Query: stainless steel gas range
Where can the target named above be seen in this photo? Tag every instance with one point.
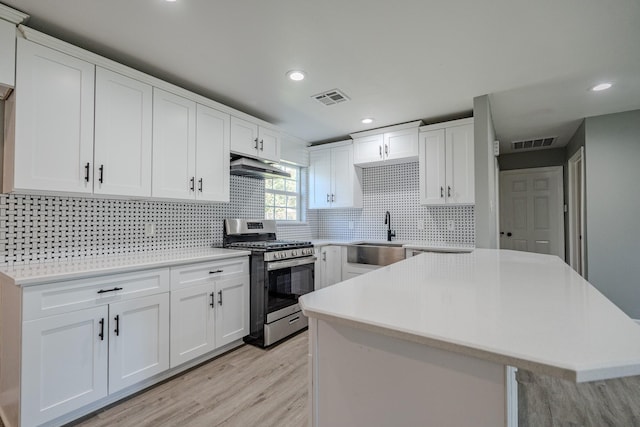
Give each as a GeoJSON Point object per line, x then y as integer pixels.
{"type": "Point", "coordinates": [281, 271]}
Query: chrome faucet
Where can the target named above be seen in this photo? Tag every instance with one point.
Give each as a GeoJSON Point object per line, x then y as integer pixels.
{"type": "Point", "coordinates": [387, 221]}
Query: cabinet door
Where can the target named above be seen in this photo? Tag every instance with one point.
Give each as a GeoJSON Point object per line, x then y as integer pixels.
{"type": "Point", "coordinates": [123, 135]}
{"type": "Point", "coordinates": [64, 363]}
{"type": "Point", "coordinates": [342, 177]}
{"type": "Point", "coordinates": [212, 155]}
{"type": "Point", "coordinates": [368, 149]}
{"type": "Point", "coordinates": [232, 309]}
{"type": "Point", "coordinates": [269, 144]}
{"type": "Point", "coordinates": [320, 179]}
{"type": "Point", "coordinates": [174, 145]}
{"type": "Point", "coordinates": [332, 256]}
{"type": "Point", "coordinates": [7, 55]}
{"type": "Point", "coordinates": [138, 340]}
{"type": "Point", "coordinates": [432, 167]}
{"type": "Point", "coordinates": [319, 268]}
{"type": "Point", "coordinates": [53, 120]}
{"type": "Point", "coordinates": [402, 144]}
{"type": "Point", "coordinates": [244, 137]}
{"type": "Point", "coordinates": [460, 165]}
{"type": "Point", "coordinates": [192, 323]}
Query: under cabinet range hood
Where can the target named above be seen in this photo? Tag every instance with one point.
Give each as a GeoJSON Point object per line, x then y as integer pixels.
{"type": "Point", "coordinates": [256, 169]}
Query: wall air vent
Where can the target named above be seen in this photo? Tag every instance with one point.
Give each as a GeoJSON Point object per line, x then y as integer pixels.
{"type": "Point", "coordinates": [530, 144]}
{"type": "Point", "coordinates": [331, 97]}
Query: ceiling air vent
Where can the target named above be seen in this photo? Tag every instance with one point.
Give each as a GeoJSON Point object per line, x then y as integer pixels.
{"type": "Point", "coordinates": [331, 97]}
{"type": "Point", "coordinates": [533, 143]}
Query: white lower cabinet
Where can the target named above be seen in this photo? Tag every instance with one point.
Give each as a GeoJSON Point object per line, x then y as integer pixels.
{"type": "Point", "coordinates": [138, 340]}
{"type": "Point", "coordinates": [209, 307]}
{"type": "Point", "coordinates": [328, 267]}
{"type": "Point", "coordinates": [65, 362]}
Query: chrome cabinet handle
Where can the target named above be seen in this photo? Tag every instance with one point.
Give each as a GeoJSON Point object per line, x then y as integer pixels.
{"type": "Point", "coordinates": [215, 271]}
{"type": "Point", "coordinates": [324, 256]}
{"type": "Point", "coordinates": [117, 330]}
{"type": "Point", "coordinates": [262, 145]}
{"type": "Point", "coordinates": [213, 302]}
{"type": "Point", "coordinates": [441, 191]}
{"type": "Point", "coordinates": [200, 185]}
{"type": "Point", "coordinates": [104, 291]}
{"type": "Point", "coordinates": [333, 197]}
{"type": "Point", "coordinates": [86, 172]}
{"type": "Point", "coordinates": [256, 141]}
{"type": "Point", "coordinates": [220, 297]}
{"type": "Point", "coordinates": [380, 150]}
{"type": "Point", "coordinates": [101, 334]}
{"type": "Point", "coordinates": [328, 198]}
{"type": "Point", "coordinates": [192, 186]}
{"type": "Point", "coordinates": [101, 179]}
{"type": "Point", "coordinates": [386, 149]}
{"type": "Point", "coordinates": [448, 191]}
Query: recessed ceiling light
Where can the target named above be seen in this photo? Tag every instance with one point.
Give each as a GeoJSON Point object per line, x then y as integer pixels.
{"type": "Point", "coordinates": [601, 86]}
{"type": "Point", "coordinates": [296, 75]}
{"type": "Point", "coordinates": [367, 121]}
{"type": "Point", "coordinates": [171, 1]}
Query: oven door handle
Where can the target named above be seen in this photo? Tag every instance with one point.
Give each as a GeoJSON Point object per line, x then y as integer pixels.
{"type": "Point", "coordinates": [277, 265]}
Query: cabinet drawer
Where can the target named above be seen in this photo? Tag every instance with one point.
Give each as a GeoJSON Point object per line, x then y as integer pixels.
{"type": "Point", "coordinates": [62, 297]}
{"type": "Point", "coordinates": [200, 273]}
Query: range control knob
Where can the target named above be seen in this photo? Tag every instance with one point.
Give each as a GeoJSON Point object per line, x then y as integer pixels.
{"type": "Point", "coordinates": [294, 253]}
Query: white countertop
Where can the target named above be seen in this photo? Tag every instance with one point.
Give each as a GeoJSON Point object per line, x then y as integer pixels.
{"type": "Point", "coordinates": [76, 268]}
{"type": "Point", "coordinates": [516, 308]}
{"type": "Point", "coordinates": [407, 244]}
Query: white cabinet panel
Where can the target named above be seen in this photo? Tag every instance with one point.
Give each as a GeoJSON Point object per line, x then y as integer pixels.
{"type": "Point", "coordinates": [447, 165]}
{"type": "Point", "coordinates": [7, 55]}
{"type": "Point", "coordinates": [138, 340]}
{"type": "Point", "coordinates": [402, 144]}
{"type": "Point", "coordinates": [244, 137]}
{"type": "Point", "coordinates": [64, 363]}
{"type": "Point", "coordinates": [122, 151]}
{"type": "Point", "coordinates": [368, 149]}
{"type": "Point", "coordinates": [174, 145]}
{"type": "Point", "coordinates": [212, 155]}
{"type": "Point", "coordinates": [232, 309]}
{"type": "Point", "coordinates": [53, 145]}
{"type": "Point", "coordinates": [334, 182]}
{"type": "Point", "coordinates": [268, 144]}
{"type": "Point", "coordinates": [192, 323]}
{"type": "Point", "coordinates": [395, 144]}
{"type": "Point", "coordinates": [328, 267]}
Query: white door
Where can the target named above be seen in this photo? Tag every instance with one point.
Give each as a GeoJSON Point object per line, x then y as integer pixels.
{"type": "Point", "coordinates": [342, 177]}
{"type": "Point", "coordinates": [432, 167]}
{"type": "Point", "coordinates": [138, 340]}
{"type": "Point", "coordinates": [269, 144]}
{"type": "Point", "coordinates": [54, 120]}
{"type": "Point", "coordinates": [174, 145]}
{"type": "Point", "coordinates": [122, 149]}
{"type": "Point", "coordinates": [368, 149]}
{"type": "Point", "coordinates": [332, 256]}
{"type": "Point", "coordinates": [232, 309]}
{"type": "Point", "coordinates": [459, 167]}
{"type": "Point", "coordinates": [531, 210]}
{"type": "Point", "coordinates": [212, 155]}
{"type": "Point", "coordinates": [244, 137]}
{"type": "Point", "coordinates": [192, 322]}
{"type": "Point", "coordinates": [320, 179]}
{"type": "Point", "coordinates": [64, 363]}
{"type": "Point", "coordinates": [401, 144]}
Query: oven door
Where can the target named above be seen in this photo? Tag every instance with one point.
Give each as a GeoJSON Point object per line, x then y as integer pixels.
{"type": "Point", "coordinates": [286, 281]}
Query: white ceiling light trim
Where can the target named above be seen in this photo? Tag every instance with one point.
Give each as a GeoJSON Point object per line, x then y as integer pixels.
{"type": "Point", "coordinates": [296, 75]}
{"type": "Point", "coordinates": [601, 86]}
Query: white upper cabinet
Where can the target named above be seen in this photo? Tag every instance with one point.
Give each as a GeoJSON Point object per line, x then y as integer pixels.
{"type": "Point", "coordinates": [174, 146]}
{"type": "Point", "coordinates": [212, 155]}
{"type": "Point", "coordinates": [50, 126]}
{"type": "Point", "coordinates": [255, 141]}
{"type": "Point", "coordinates": [7, 57]}
{"type": "Point", "coordinates": [391, 145]}
{"type": "Point", "coordinates": [334, 182]}
{"type": "Point", "coordinates": [123, 121]}
{"type": "Point", "coordinates": [447, 163]}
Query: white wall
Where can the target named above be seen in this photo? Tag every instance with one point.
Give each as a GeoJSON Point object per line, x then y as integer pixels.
{"type": "Point", "coordinates": [486, 208]}
{"type": "Point", "coordinates": [612, 159]}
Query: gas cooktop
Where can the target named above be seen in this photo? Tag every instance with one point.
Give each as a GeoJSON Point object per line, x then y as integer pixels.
{"type": "Point", "coordinates": [270, 245]}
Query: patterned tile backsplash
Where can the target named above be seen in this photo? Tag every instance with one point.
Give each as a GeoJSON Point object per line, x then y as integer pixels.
{"type": "Point", "coordinates": [395, 188]}
{"type": "Point", "coordinates": [46, 228]}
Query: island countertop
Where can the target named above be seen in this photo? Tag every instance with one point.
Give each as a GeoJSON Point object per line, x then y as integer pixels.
{"type": "Point", "coordinates": [520, 309]}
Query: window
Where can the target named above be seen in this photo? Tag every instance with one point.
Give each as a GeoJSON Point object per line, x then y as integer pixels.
{"type": "Point", "coordinates": [282, 196]}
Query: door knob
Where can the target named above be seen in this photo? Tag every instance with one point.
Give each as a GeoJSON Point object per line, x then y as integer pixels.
{"type": "Point", "coordinates": [509, 234]}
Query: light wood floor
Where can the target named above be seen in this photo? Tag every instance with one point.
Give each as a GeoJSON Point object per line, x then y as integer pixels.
{"type": "Point", "coordinates": [253, 387]}
{"type": "Point", "coordinates": [247, 387]}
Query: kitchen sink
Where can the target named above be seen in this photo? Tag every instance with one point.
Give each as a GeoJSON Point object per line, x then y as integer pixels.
{"type": "Point", "coordinates": [375, 253]}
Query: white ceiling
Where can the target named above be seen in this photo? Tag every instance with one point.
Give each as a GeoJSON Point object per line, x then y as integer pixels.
{"type": "Point", "coordinates": [397, 60]}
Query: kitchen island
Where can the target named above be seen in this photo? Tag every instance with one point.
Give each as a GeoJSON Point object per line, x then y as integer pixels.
{"type": "Point", "coordinates": [426, 341]}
